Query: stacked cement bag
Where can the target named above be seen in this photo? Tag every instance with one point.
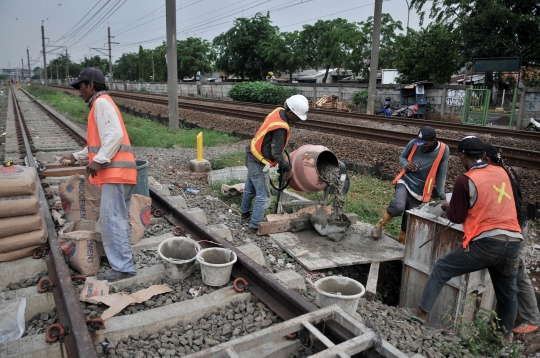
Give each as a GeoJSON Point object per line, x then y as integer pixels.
{"type": "Point", "coordinates": [80, 242]}
{"type": "Point", "coordinates": [22, 223]}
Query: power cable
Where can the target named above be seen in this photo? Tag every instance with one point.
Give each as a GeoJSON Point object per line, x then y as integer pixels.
{"type": "Point", "coordinates": [69, 31]}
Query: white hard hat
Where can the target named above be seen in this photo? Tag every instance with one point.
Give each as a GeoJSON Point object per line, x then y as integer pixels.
{"type": "Point", "coordinates": [299, 105]}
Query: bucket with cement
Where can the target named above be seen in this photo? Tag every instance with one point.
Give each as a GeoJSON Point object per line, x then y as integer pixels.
{"type": "Point", "coordinates": [216, 265]}
{"type": "Point", "coordinates": [178, 256]}
{"type": "Point", "coordinates": [341, 291]}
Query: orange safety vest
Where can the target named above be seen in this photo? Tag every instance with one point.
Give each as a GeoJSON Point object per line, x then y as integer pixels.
{"type": "Point", "coordinates": [122, 168]}
{"type": "Point", "coordinates": [495, 207]}
{"type": "Point", "coordinates": [272, 122]}
{"type": "Point", "coordinates": [430, 180]}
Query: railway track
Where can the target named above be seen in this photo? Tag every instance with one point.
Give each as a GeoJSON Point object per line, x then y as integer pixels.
{"type": "Point", "coordinates": [514, 156]}
{"type": "Point", "coordinates": [71, 330]}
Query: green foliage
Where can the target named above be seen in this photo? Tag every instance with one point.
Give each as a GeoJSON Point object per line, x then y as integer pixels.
{"type": "Point", "coordinates": [142, 132]}
{"type": "Point", "coordinates": [127, 67]}
{"type": "Point", "coordinates": [481, 336]}
{"type": "Point", "coordinates": [360, 98]}
{"type": "Point", "coordinates": [420, 53]}
{"type": "Point", "coordinates": [283, 51]}
{"type": "Point", "coordinates": [194, 54]}
{"type": "Point", "coordinates": [261, 92]}
{"type": "Point", "coordinates": [233, 159]}
{"type": "Point", "coordinates": [240, 50]}
{"type": "Point", "coordinates": [531, 76]}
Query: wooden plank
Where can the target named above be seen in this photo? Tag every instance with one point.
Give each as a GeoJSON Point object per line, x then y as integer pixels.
{"type": "Point", "coordinates": [371, 286]}
{"type": "Point", "coordinates": [302, 213]}
{"type": "Point", "coordinates": [318, 334]}
{"type": "Point", "coordinates": [293, 225]}
{"type": "Point", "coordinates": [64, 171]}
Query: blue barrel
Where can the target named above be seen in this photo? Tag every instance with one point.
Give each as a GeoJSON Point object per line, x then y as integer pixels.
{"type": "Point", "coordinates": [142, 178]}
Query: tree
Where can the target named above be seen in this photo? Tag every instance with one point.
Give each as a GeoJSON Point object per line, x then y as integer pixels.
{"type": "Point", "coordinates": [97, 62]}
{"type": "Point", "coordinates": [327, 43]}
{"type": "Point", "coordinates": [194, 54]}
{"type": "Point", "coordinates": [284, 53]}
{"type": "Point", "coordinates": [419, 54]}
{"type": "Point", "coordinates": [359, 54]}
{"type": "Point", "coordinates": [127, 67]}
{"type": "Point", "coordinates": [240, 49]}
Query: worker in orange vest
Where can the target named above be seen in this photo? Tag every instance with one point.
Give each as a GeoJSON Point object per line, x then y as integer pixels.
{"type": "Point", "coordinates": [423, 171]}
{"type": "Point", "coordinates": [265, 151]}
{"type": "Point", "coordinates": [483, 201]}
{"type": "Point", "coordinates": [111, 165]}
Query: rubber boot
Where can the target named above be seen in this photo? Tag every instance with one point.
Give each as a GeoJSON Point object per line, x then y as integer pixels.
{"type": "Point", "coordinates": [402, 237]}
{"type": "Point", "coordinates": [378, 230]}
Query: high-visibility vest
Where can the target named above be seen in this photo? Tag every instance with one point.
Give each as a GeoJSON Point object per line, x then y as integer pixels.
{"type": "Point", "coordinates": [272, 122]}
{"type": "Point", "coordinates": [430, 180]}
{"type": "Point", "coordinates": [494, 208]}
{"type": "Point", "coordinates": [122, 168]}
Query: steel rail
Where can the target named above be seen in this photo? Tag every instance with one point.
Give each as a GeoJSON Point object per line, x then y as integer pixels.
{"type": "Point", "coordinates": [77, 341]}
{"type": "Point", "coordinates": [284, 301]}
{"type": "Point", "coordinates": [519, 134]}
{"type": "Point", "coordinates": [513, 156]}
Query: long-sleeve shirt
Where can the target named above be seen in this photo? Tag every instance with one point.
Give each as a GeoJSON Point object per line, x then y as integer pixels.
{"type": "Point", "coordinates": [415, 181]}
{"type": "Point", "coordinates": [110, 133]}
{"type": "Point", "coordinates": [464, 196]}
{"type": "Point", "coordinates": [273, 143]}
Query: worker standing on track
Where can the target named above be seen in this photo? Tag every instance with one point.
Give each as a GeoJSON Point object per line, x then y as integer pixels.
{"type": "Point", "coordinates": [526, 298]}
{"type": "Point", "coordinates": [423, 171]}
{"type": "Point", "coordinates": [265, 151]}
{"type": "Point", "coordinates": [111, 165]}
{"type": "Point", "coordinates": [483, 201]}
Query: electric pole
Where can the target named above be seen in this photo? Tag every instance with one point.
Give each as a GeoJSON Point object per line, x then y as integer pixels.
{"type": "Point", "coordinates": [50, 68]}
{"type": "Point", "coordinates": [67, 67]}
{"type": "Point", "coordinates": [172, 72]}
{"type": "Point", "coordinates": [110, 58]}
{"type": "Point", "coordinates": [374, 64]}
{"type": "Point", "coordinates": [28, 57]}
{"type": "Point", "coordinates": [22, 69]}
{"type": "Point", "coordinates": [44, 58]}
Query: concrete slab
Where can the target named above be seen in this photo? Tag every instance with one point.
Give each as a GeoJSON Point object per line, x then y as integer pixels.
{"type": "Point", "coordinates": [254, 252]}
{"type": "Point", "coordinates": [358, 247]}
{"type": "Point", "coordinates": [198, 214]}
{"type": "Point", "coordinates": [151, 242]}
{"type": "Point", "coordinates": [32, 347]}
{"type": "Point", "coordinates": [278, 348]}
{"type": "Point", "coordinates": [222, 230]}
{"type": "Point", "coordinates": [178, 201]}
{"type": "Point", "coordinates": [200, 167]}
{"type": "Point", "coordinates": [292, 279]}
{"type": "Point", "coordinates": [14, 271]}
{"type": "Point", "coordinates": [227, 174]}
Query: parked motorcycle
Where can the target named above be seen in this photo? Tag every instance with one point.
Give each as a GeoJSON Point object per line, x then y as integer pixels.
{"type": "Point", "coordinates": [387, 110]}
{"type": "Point", "coordinates": [534, 126]}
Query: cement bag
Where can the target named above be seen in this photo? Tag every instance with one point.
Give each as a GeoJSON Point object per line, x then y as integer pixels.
{"type": "Point", "coordinates": [80, 199]}
{"type": "Point", "coordinates": [79, 242]}
{"type": "Point", "coordinates": [11, 206]}
{"type": "Point", "coordinates": [139, 216]}
{"type": "Point", "coordinates": [18, 254]}
{"type": "Point", "coordinates": [21, 224]}
{"type": "Point", "coordinates": [16, 180]}
{"type": "Point", "coordinates": [22, 241]}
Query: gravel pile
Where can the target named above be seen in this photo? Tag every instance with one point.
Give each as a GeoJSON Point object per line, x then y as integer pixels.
{"type": "Point", "coordinates": [230, 322]}
{"type": "Point", "coordinates": [25, 282]}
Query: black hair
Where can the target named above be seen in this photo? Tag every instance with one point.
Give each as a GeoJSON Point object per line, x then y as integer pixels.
{"type": "Point", "coordinates": [97, 86]}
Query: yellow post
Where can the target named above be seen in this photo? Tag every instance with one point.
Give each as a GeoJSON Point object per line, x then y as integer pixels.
{"type": "Point", "coordinates": [199, 147]}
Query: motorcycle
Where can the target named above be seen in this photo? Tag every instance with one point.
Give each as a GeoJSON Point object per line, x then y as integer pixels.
{"type": "Point", "coordinates": [534, 126]}
{"type": "Point", "coordinates": [387, 111]}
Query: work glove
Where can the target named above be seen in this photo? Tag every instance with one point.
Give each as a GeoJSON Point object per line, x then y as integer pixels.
{"type": "Point", "coordinates": [67, 160]}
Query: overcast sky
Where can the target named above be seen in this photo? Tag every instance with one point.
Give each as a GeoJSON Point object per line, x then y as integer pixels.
{"type": "Point", "coordinates": [75, 24]}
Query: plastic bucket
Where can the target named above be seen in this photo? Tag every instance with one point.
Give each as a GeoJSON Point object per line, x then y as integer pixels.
{"type": "Point", "coordinates": [142, 178]}
{"type": "Point", "coordinates": [216, 265]}
{"type": "Point", "coordinates": [341, 291]}
{"type": "Point", "coordinates": [178, 257]}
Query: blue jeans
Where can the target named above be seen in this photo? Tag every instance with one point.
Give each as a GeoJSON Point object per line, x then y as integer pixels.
{"type": "Point", "coordinates": [527, 306]}
{"type": "Point", "coordinates": [501, 258]}
{"type": "Point", "coordinates": [402, 201]}
{"type": "Point", "coordinates": [256, 187]}
{"type": "Point", "coordinates": [115, 229]}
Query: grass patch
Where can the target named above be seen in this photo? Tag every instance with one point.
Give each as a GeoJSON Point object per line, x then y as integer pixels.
{"type": "Point", "coordinates": [142, 132]}
{"type": "Point", "coordinates": [233, 159]}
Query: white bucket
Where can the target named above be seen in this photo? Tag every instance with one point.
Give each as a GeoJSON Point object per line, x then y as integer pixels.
{"type": "Point", "coordinates": [341, 291]}
{"type": "Point", "coordinates": [216, 265]}
{"type": "Point", "coordinates": [178, 257]}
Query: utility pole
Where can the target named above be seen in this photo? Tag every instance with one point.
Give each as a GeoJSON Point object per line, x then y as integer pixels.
{"type": "Point", "coordinates": [50, 68]}
{"type": "Point", "coordinates": [67, 67]}
{"type": "Point", "coordinates": [172, 72]}
{"type": "Point", "coordinates": [28, 58]}
{"type": "Point", "coordinates": [44, 58]}
{"type": "Point", "coordinates": [374, 64]}
{"type": "Point", "coordinates": [22, 69]}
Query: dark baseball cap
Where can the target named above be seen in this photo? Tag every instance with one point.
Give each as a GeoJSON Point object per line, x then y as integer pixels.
{"type": "Point", "coordinates": [91, 74]}
{"type": "Point", "coordinates": [471, 145]}
{"type": "Point", "coordinates": [425, 134]}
